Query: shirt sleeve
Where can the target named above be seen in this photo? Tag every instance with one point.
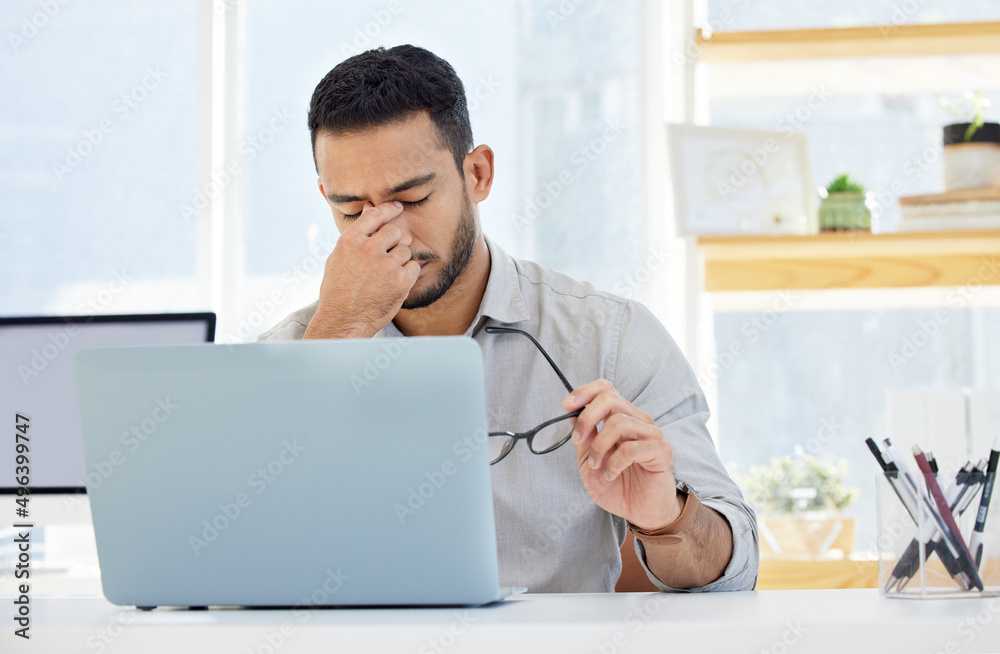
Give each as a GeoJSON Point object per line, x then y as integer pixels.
{"type": "Point", "coordinates": [293, 327]}
{"type": "Point", "coordinates": [652, 373]}
{"type": "Point", "coordinates": [286, 330]}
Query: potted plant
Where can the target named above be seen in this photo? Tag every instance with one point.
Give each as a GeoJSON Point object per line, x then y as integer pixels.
{"type": "Point", "coordinates": [844, 206]}
{"type": "Point", "coordinates": [971, 146]}
{"type": "Point", "coordinates": [799, 500]}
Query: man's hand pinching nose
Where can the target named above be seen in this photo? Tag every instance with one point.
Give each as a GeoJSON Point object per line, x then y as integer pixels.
{"type": "Point", "coordinates": [367, 277]}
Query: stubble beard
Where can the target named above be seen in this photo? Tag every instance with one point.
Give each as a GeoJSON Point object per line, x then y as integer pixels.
{"type": "Point", "coordinates": [462, 247]}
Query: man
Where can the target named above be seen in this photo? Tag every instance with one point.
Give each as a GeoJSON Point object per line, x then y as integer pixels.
{"type": "Point", "coordinates": [393, 148]}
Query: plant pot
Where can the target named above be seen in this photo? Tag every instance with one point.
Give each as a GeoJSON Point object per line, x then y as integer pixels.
{"type": "Point", "coordinates": [974, 163]}
{"type": "Point", "coordinates": [842, 211]}
{"type": "Point", "coordinates": [955, 134]}
{"type": "Point", "coordinates": [789, 535]}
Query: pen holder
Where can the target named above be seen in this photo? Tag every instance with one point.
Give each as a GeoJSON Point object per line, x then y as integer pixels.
{"type": "Point", "coordinates": [914, 559]}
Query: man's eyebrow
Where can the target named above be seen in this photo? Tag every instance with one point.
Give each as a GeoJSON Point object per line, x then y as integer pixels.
{"type": "Point", "coordinates": [412, 183]}
{"type": "Point", "coordinates": [340, 198]}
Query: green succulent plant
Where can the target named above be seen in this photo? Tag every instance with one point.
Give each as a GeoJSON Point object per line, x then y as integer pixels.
{"type": "Point", "coordinates": [844, 184]}
{"type": "Point", "coordinates": [798, 484]}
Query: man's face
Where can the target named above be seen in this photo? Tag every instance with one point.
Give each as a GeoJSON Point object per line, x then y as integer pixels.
{"type": "Point", "coordinates": [404, 161]}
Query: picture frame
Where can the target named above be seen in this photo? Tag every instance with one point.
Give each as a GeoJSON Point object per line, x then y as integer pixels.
{"type": "Point", "coordinates": [733, 181]}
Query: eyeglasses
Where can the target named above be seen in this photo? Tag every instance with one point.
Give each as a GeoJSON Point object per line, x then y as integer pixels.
{"type": "Point", "coordinates": [544, 438]}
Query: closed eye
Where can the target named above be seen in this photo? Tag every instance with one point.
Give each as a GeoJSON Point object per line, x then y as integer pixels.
{"type": "Point", "coordinates": [354, 216]}
{"type": "Point", "coordinates": [417, 203]}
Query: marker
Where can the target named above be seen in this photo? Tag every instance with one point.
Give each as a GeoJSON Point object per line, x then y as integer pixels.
{"type": "Point", "coordinates": [945, 512]}
{"type": "Point", "coordinates": [976, 544]}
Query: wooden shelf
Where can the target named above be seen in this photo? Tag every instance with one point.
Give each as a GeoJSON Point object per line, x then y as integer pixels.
{"type": "Point", "coordinates": [850, 260]}
{"type": "Point", "coordinates": [878, 41]}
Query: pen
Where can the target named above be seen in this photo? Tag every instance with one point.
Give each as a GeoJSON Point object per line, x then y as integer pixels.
{"type": "Point", "coordinates": [908, 563]}
{"type": "Point", "coordinates": [976, 543]}
{"type": "Point", "coordinates": [931, 536]}
{"type": "Point", "coordinates": [928, 532]}
{"type": "Point", "coordinates": [944, 511]}
{"type": "Point", "coordinates": [948, 550]}
{"type": "Point", "coordinates": [965, 487]}
{"type": "Point", "coordinates": [873, 446]}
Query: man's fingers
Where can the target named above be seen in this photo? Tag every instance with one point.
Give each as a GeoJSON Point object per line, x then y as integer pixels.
{"type": "Point", "coordinates": [617, 429]}
{"type": "Point", "coordinates": [594, 413]}
{"type": "Point", "coordinates": [389, 236]}
{"type": "Point", "coordinates": [604, 405]}
{"type": "Point", "coordinates": [401, 254]}
{"type": "Point", "coordinates": [372, 218]}
{"type": "Point", "coordinates": [583, 395]}
{"type": "Point", "coordinates": [413, 268]}
{"type": "Point", "coordinates": [649, 455]}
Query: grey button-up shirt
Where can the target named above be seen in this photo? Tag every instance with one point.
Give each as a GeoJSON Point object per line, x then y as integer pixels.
{"type": "Point", "coordinates": [551, 537]}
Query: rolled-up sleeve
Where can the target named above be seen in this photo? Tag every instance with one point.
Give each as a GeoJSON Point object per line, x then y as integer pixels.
{"type": "Point", "coordinates": [653, 374]}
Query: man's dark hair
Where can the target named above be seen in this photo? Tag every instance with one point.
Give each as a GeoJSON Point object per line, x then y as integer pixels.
{"type": "Point", "coordinates": [382, 86]}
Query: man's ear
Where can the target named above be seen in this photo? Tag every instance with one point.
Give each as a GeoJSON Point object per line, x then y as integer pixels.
{"type": "Point", "coordinates": [479, 173]}
{"type": "Point", "coordinates": [322, 191]}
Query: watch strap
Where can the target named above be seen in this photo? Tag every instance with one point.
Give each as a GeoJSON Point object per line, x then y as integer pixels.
{"type": "Point", "coordinates": [669, 535]}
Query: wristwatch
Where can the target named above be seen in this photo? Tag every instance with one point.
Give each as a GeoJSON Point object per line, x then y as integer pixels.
{"type": "Point", "coordinates": [668, 535]}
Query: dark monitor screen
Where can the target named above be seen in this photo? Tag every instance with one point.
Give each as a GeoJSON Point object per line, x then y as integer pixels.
{"type": "Point", "coordinates": [37, 382]}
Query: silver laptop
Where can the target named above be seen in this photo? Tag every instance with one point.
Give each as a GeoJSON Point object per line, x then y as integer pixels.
{"type": "Point", "coordinates": [309, 473]}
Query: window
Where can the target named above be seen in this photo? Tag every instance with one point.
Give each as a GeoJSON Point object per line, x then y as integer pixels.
{"type": "Point", "coordinates": [98, 147]}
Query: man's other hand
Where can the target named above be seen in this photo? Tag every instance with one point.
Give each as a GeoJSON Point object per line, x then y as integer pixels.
{"type": "Point", "coordinates": [626, 467]}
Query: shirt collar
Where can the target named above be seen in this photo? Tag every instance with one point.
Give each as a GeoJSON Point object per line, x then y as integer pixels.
{"type": "Point", "coordinates": [502, 300]}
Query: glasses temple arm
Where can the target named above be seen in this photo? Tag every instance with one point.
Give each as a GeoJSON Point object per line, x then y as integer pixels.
{"type": "Point", "coordinates": [494, 329]}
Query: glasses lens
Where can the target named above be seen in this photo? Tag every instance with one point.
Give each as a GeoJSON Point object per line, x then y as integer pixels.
{"type": "Point", "coordinates": [500, 444]}
{"type": "Point", "coordinates": [550, 437]}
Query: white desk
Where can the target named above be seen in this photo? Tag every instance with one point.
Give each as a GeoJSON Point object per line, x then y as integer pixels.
{"type": "Point", "coordinates": [769, 621]}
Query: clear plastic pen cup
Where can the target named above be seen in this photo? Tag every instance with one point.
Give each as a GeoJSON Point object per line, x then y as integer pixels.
{"type": "Point", "coordinates": [919, 557]}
